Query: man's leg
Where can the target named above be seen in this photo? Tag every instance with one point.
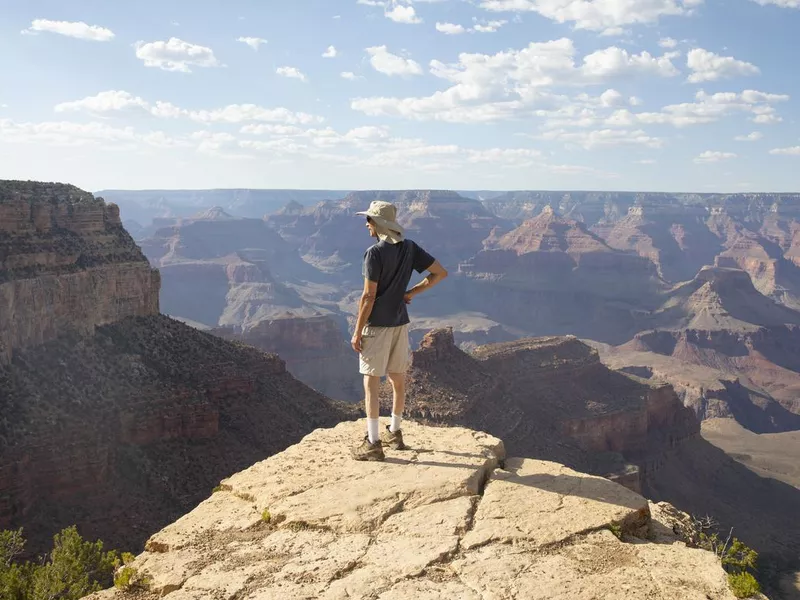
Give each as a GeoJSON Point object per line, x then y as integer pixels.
{"type": "Point", "coordinates": [372, 386]}
{"type": "Point", "coordinates": [398, 381]}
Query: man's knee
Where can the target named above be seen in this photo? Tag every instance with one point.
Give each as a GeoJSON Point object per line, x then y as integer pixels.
{"type": "Point", "coordinates": [397, 378]}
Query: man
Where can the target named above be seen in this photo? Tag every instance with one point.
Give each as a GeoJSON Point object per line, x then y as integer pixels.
{"type": "Point", "coordinates": [381, 333]}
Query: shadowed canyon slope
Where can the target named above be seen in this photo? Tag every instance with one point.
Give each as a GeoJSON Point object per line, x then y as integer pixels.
{"type": "Point", "coordinates": [115, 417]}
{"type": "Point", "coordinates": [432, 523]}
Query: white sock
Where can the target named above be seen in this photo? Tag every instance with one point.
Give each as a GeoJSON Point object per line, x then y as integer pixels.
{"type": "Point", "coordinates": [396, 421]}
{"type": "Point", "coordinates": [373, 430]}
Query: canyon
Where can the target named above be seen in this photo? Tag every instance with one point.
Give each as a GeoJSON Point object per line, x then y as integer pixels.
{"type": "Point", "coordinates": [620, 270]}
{"type": "Point", "coordinates": [174, 406]}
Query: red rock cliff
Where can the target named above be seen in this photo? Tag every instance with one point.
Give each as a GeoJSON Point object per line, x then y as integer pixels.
{"type": "Point", "coordinates": [66, 264]}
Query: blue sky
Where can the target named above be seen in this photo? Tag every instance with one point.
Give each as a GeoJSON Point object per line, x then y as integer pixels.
{"type": "Point", "coordinates": [673, 95]}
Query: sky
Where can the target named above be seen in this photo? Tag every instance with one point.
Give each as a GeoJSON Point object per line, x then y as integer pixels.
{"type": "Point", "coordinates": [649, 95]}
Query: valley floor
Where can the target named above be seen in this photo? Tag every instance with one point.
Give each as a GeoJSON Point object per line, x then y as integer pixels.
{"type": "Point", "coordinates": [775, 455]}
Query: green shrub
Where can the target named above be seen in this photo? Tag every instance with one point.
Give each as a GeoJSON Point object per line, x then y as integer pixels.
{"type": "Point", "coordinates": [616, 529]}
{"type": "Point", "coordinates": [73, 569]}
{"type": "Point", "coordinates": [216, 489]}
{"type": "Point", "coordinates": [265, 516]}
{"type": "Point", "coordinates": [743, 585]}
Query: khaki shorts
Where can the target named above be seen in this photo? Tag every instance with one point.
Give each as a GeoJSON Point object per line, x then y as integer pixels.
{"type": "Point", "coordinates": [384, 350]}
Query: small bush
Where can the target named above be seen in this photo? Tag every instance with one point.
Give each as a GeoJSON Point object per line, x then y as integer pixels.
{"type": "Point", "coordinates": [127, 578]}
{"type": "Point", "coordinates": [73, 569]}
{"type": "Point", "coordinates": [216, 489]}
{"type": "Point", "coordinates": [743, 585]}
{"type": "Point", "coordinates": [616, 529]}
{"type": "Point", "coordinates": [265, 516]}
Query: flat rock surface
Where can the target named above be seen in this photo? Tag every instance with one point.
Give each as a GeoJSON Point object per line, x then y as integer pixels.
{"type": "Point", "coordinates": [450, 518]}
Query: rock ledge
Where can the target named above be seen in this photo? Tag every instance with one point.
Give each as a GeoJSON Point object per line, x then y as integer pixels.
{"type": "Point", "coordinates": [451, 518]}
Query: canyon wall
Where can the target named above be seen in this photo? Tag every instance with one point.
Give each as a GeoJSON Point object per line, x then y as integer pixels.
{"type": "Point", "coordinates": [66, 263]}
{"type": "Point", "coordinates": [314, 349]}
{"type": "Point", "coordinates": [113, 417]}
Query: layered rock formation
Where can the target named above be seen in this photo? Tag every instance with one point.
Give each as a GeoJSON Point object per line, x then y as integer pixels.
{"type": "Point", "coordinates": [672, 236]}
{"type": "Point", "coordinates": [549, 398]}
{"type": "Point", "coordinates": [113, 417]}
{"type": "Point", "coordinates": [551, 275]}
{"type": "Point", "coordinates": [431, 523]}
{"type": "Point", "coordinates": [66, 264]}
{"type": "Point", "coordinates": [314, 349]}
{"type": "Point", "coordinates": [732, 351]}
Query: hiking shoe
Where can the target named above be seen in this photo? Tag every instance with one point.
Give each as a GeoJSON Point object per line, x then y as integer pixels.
{"type": "Point", "coordinates": [393, 440]}
{"type": "Point", "coordinates": [367, 451]}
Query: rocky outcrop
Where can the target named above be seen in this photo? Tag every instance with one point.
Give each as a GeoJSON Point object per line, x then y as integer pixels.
{"type": "Point", "coordinates": [314, 348]}
{"type": "Point", "coordinates": [554, 276]}
{"type": "Point", "coordinates": [429, 523]}
{"type": "Point", "coordinates": [66, 265]}
{"type": "Point", "coordinates": [549, 398]}
{"type": "Point", "coordinates": [748, 375]}
{"type": "Point", "coordinates": [671, 235]}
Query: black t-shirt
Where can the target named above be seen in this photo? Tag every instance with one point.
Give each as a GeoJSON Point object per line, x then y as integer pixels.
{"type": "Point", "coordinates": [391, 266]}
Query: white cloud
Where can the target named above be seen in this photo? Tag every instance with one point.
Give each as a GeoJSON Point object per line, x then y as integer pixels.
{"type": "Point", "coordinates": [270, 129]}
{"type": "Point", "coordinates": [668, 42]}
{"type": "Point", "coordinates": [707, 108]}
{"type": "Point", "coordinates": [646, 161]}
{"type": "Point", "coordinates": [793, 150]}
{"type": "Point", "coordinates": [66, 133]}
{"type": "Point", "coordinates": [508, 84]}
{"type": "Point", "coordinates": [331, 52]}
{"type": "Point", "coordinates": [580, 170]}
{"type": "Point", "coordinates": [489, 27]}
{"type": "Point", "coordinates": [450, 28]}
{"type": "Point", "coordinates": [635, 101]}
{"type": "Point", "coordinates": [710, 156]}
{"type": "Point", "coordinates": [119, 101]}
{"type": "Point", "coordinates": [367, 133]}
{"type": "Point", "coordinates": [387, 63]}
{"type": "Point", "coordinates": [614, 61]}
{"type": "Point", "coordinates": [780, 3]}
{"type": "Point", "coordinates": [291, 72]}
{"type": "Point", "coordinates": [609, 16]}
{"type": "Point", "coordinates": [253, 42]}
{"type": "Point", "coordinates": [750, 137]}
{"type": "Point", "coordinates": [505, 156]}
{"type": "Point", "coordinates": [74, 29]}
{"type": "Point", "coordinates": [112, 100]}
{"type": "Point", "coordinates": [167, 110]}
{"type": "Point", "coordinates": [767, 119]}
{"type": "Point", "coordinates": [403, 14]}
{"type": "Point", "coordinates": [175, 55]}
{"type": "Point", "coordinates": [243, 113]}
{"type": "Point", "coordinates": [708, 66]}
{"type": "Point", "coordinates": [350, 75]}
{"type": "Point", "coordinates": [603, 138]}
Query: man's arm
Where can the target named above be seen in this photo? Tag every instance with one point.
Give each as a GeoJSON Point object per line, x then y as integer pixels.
{"type": "Point", "coordinates": [364, 311]}
{"type": "Point", "coordinates": [436, 273]}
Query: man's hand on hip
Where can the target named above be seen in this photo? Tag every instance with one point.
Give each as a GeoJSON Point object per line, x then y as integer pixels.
{"type": "Point", "coordinates": [407, 297]}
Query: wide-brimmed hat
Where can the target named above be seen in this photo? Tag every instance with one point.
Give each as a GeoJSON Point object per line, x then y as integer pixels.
{"type": "Point", "coordinates": [384, 215]}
